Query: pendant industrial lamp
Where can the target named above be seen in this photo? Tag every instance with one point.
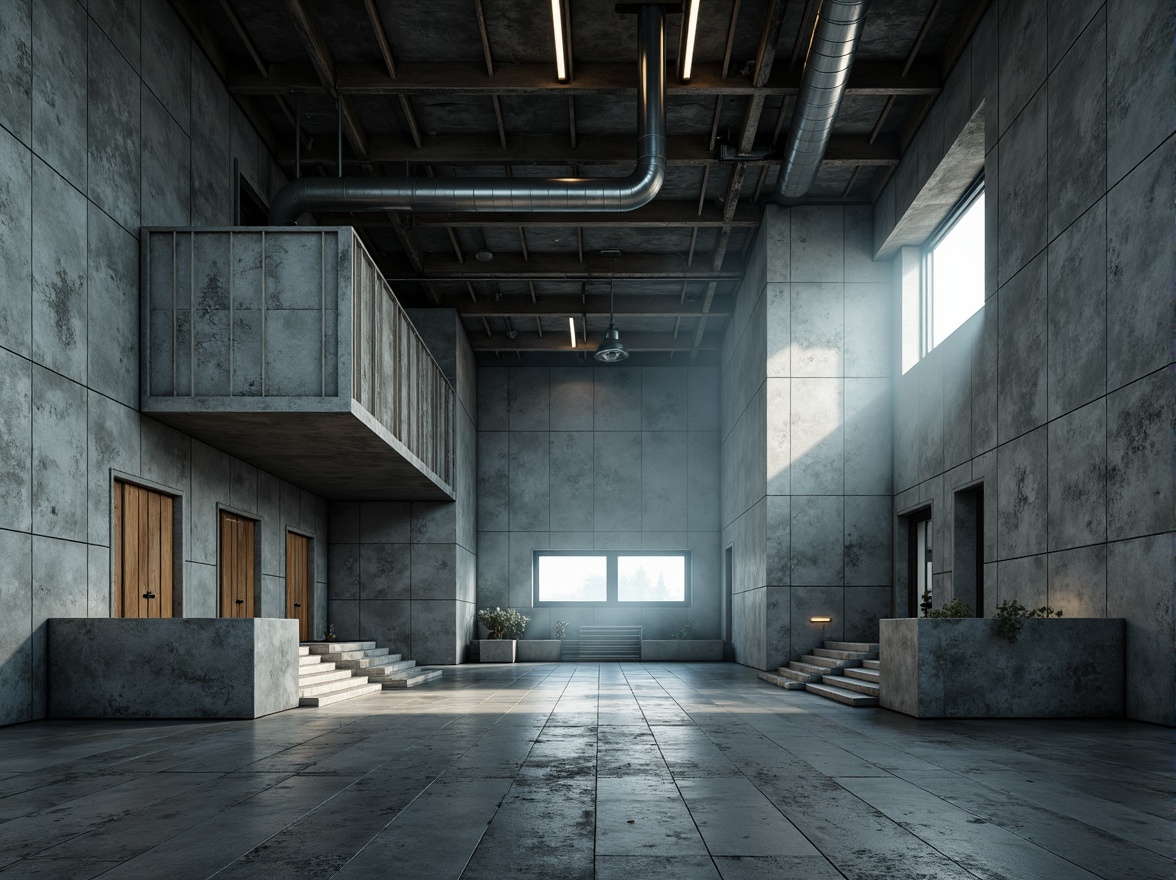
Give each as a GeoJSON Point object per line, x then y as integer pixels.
{"type": "Point", "coordinates": [611, 349]}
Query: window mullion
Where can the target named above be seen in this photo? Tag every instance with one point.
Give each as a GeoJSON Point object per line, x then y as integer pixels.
{"type": "Point", "coordinates": [612, 590]}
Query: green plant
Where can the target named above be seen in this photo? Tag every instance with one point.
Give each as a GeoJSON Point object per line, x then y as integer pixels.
{"type": "Point", "coordinates": [1011, 614]}
{"type": "Point", "coordinates": [561, 628]}
{"type": "Point", "coordinates": [954, 608]}
{"type": "Point", "coordinates": [503, 623]}
{"type": "Point", "coordinates": [684, 633]}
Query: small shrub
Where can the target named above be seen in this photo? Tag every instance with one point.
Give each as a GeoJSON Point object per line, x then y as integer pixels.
{"type": "Point", "coordinates": [954, 608]}
{"type": "Point", "coordinates": [561, 628]}
{"type": "Point", "coordinates": [503, 623]}
{"type": "Point", "coordinates": [1011, 614]}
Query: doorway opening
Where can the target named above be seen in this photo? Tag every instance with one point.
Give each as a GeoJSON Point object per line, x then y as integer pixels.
{"type": "Point", "coordinates": [919, 556]}
{"type": "Point", "coordinates": [968, 548]}
{"type": "Point", "coordinates": [144, 559]}
{"type": "Point", "coordinates": [238, 565]}
{"type": "Point", "coordinates": [298, 580]}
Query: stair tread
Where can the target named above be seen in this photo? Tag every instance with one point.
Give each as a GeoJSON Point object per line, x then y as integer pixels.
{"type": "Point", "coordinates": [829, 662]}
{"type": "Point", "coordinates": [835, 654]}
{"type": "Point", "coordinates": [872, 664]}
{"type": "Point", "coordinates": [809, 668]}
{"type": "Point", "coordinates": [334, 647]}
{"type": "Point", "coordinates": [780, 681]}
{"type": "Point", "coordinates": [869, 647]}
{"type": "Point", "coordinates": [841, 695]}
{"type": "Point", "coordinates": [797, 675]}
{"type": "Point", "coordinates": [411, 678]}
{"type": "Point", "coordinates": [851, 684]}
{"type": "Point", "coordinates": [864, 674]}
{"type": "Point", "coordinates": [339, 696]}
{"type": "Point", "coordinates": [326, 675]}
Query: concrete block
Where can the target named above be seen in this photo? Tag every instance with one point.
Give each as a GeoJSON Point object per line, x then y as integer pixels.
{"type": "Point", "coordinates": [817, 244]}
{"type": "Point", "coordinates": [211, 482]}
{"type": "Point", "coordinates": [212, 181]}
{"type": "Point", "coordinates": [1141, 264]}
{"type": "Point", "coordinates": [243, 486]}
{"type": "Point", "coordinates": [59, 485]}
{"type": "Point", "coordinates": [534, 650]}
{"type": "Point", "coordinates": [384, 522]}
{"type": "Point", "coordinates": [1078, 128]}
{"type": "Point", "coordinates": [16, 242]}
{"type": "Point", "coordinates": [1022, 480]}
{"type": "Point", "coordinates": [617, 399]}
{"type": "Point", "coordinates": [1077, 309]}
{"type": "Point", "coordinates": [528, 399]}
{"type": "Point", "coordinates": [343, 616]}
{"type": "Point", "coordinates": [664, 480]}
{"type": "Point", "coordinates": [616, 484]}
{"type": "Point", "coordinates": [1078, 477]}
{"type": "Point", "coordinates": [702, 395]}
{"type": "Point", "coordinates": [867, 430]}
{"type": "Point", "coordinates": [1022, 339]}
{"type": "Point", "coordinates": [497, 650]}
{"type": "Point", "coordinates": [493, 480]}
{"type": "Point", "coordinates": [59, 274]}
{"type": "Point", "coordinates": [1069, 668]}
{"type": "Point", "coordinates": [113, 443]}
{"type": "Point", "coordinates": [16, 660]}
{"type": "Point", "coordinates": [1022, 34]}
{"type": "Point", "coordinates": [59, 105]}
{"type": "Point", "coordinates": [16, 450]}
{"type": "Point", "coordinates": [165, 162]}
{"type": "Point", "coordinates": [867, 539]}
{"type": "Point", "coordinates": [817, 540]}
{"type": "Point", "coordinates": [816, 433]}
{"type": "Point", "coordinates": [664, 399]}
{"type": "Point", "coordinates": [434, 571]}
{"type": "Point", "coordinates": [860, 265]}
{"type": "Point", "coordinates": [1140, 104]}
{"type": "Point", "coordinates": [530, 480]}
{"type": "Point", "coordinates": [1022, 206]}
{"type": "Point", "coordinates": [179, 668]}
{"type": "Point", "coordinates": [818, 329]}
{"type": "Point", "coordinates": [1078, 581]}
{"type": "Point", "coordinates": [571, 472]}
{"type": "Point", "coordinates": [702, 481]}
{"type": "Point", "coordinates": [435, 636]}
{"type": "Point", "coordinates": [385, 570]}
{"type": "Point", "coordinates": [98, 594]}
{"type": "Point", "coordinates": [113, 138]}
{"type": "Point", "coordinates": [167, 54]}
{"type": "Point", "coordinates": [1141, 437]}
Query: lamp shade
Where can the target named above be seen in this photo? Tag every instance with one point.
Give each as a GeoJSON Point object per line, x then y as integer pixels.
{"type": "Point", "coordinates": [611, 349]}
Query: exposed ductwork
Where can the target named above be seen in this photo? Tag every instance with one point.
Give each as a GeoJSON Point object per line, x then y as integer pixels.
{"type": "Point", "coordinates": [826, 72]}
{"type": "Point", "coordinates": [600, 194]}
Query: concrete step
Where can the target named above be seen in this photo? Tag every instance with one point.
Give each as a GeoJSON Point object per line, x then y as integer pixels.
{"type": "Point", "coordinates": [780, 681]}
{"type": "Point", "coordinates": [336, 647]}
{"type": "Point", "coordinates": [810, 668]}
{"type": "Point", "coordinates": [327, 674]}
{"type": "Point", "coordinates": [359, 659]}
{"type": "Point", "coordinates": [851, 684]}
{"type": "Point", "coordinates": [326, 699]}
{"type": "Point", "coordinates": [829, 662]}
{"type": "Point", "coordinates": [303, 650]}
{"type": "Point", "coordinates": [387, 670]}
{"type": "Point", "coordinates": [410, 678]}
{"type": "Point", "coordinates": [867, 647]}
{"type": "Point", "coordinates": [864, 674]}
{"type": "Point", "coordinates": [799, 674]}
{"type": "Point", "coordinates": [313, 689]}
{"type": "Point", "coordinates": [310, 660]}
{"type": "Point", "coordinates": [849, 698]}
{"type": "Point", "coordinates": [872, 664]}
{"type": "Point", "coordinates": [833, 654]}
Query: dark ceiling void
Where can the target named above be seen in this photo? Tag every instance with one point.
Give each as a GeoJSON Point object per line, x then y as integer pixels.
{"type": "Point", "coordinates": [468, 88]}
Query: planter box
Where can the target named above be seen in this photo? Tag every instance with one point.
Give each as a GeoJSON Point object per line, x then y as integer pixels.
{"type": "Point", "coordinates": [496, 650]}
{"type": "Point", "coordinates": [682, 650]}
{"type": "Point", "coordinates": [1067, 668]}
{"type": "Point", "coordinates": [538, 650]}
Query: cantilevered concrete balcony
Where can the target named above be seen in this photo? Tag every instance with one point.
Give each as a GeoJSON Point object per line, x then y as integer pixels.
{"type": "Point", "coordinates": [285, 347]}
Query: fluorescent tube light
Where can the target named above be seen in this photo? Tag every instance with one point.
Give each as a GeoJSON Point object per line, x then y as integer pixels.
{"type": "Point", "coordinates": [572, 330]}
{"type": "Point", "coordinates": [690, 30]}
{"type": "Point", "coordinates": [561, 64]}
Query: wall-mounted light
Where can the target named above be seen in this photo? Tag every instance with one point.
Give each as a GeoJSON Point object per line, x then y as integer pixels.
{"type": "Point", "coordinates": [560, 22]}
{"type": "Point", "coordinates": [820, 619]}
{"type": "Point", "coordinates": [572, 330]}
{"type": "Point", "coordinates": [686, 42]}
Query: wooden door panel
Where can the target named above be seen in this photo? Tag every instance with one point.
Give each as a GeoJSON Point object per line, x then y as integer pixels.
{"type": "Point", "coordinates": [143, 552]}
{"type": "Point", "coordinates": [237, 566]}
{"type": "Point", "coordinates": [298, 582]}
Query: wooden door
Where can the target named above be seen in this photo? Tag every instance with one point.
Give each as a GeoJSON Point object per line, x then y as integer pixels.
{"type": "Point", "coordinates": [142, 549]}
{"type": "Point", "coordinates": [237, 566]}
{"type": "Point", "coordinates": [298, 582]}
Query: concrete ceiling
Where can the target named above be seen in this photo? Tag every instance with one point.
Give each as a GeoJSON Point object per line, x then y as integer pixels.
{"type": "Point", "coordinates": [468, 87]}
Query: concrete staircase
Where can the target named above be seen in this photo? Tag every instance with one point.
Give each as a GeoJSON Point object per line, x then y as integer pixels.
{"type": "Point", "coordinates": [329, 672]}
{"type": "Point", "coordinates": [847, 672]}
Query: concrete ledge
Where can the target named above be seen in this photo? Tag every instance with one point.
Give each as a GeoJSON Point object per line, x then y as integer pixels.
{"type": "Point", "coordinates": [682, 650]}
{"type": "Point", "coordinates": [177, 668]}
{"type": "Point", "coordinates": [538, 650]}
{"type": "Point", "coordinates": [1068, 668]}
{"type": "Point", "coordinates": [496, 650]}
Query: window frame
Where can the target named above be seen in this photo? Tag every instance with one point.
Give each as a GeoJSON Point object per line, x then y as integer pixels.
{"type": "Point", "coordinates": [926, 287]}
{"type": "Point", "coordinates": [611, 599]}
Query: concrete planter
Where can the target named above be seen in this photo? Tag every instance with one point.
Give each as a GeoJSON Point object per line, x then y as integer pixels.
{"type": "Point", "coordinates": [1067, 668]}
{"type": "Point", "coordinates": [496, 650]}
{"type": "Point", "coordinates": [538, 650]}
{"type": "Point", "coordinates": [682, 650]}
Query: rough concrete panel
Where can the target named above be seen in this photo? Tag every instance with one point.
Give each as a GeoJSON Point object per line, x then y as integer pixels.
{"type": "Point", "coordinates": [384, 522]}
{"type": "Point", "coordinates": [530, 481]}
{"type": "Point", "coordinates": [928, 438]}
{"type": "Point", "coordinates": [112, 309]}
{"type": "Point", "coordinates": [243, 488]}
{"type": "Point", "coordinates": [113, 443]}
{"type": "Point", "coordinates": [817, 436]}
{"type": "Point", "coordinates": [434, 571]}
{"type": "Point", "coordinates": [1078, 128]}
{"type": "Point", "coordinates": [809, 602]}
{"type": "Point", "coordinates": [385, 570]}
{"type": "Point", "coordinates": [59, 89]}
{"type": "Point", "coordinates": [818, 329]}
{"type": "Point", "coordinates": [16, 656]}
{"type": "Point", "coordinates": [1022, 207]}
{"type": "Point", "coordinates": [493, 414]}
{"type": "Point", "coordinates": [860, 265]}
{"type": "Point", "coordinates": [433, 522]}
{"type": "Point", "coordinates": [1021, 495]}
{"type": "Point", "coordinates": [778, 627]}
{"type": "Point", "coordinates": [343, 617]}
{"type": "Point", "coordinates": [985, 385]}
{"type": "Point", "coordinates": [165, 191]}
{"type": "Point", "coordinates": [1078, 477]}
{"type": "Point", "coordinates": [167, 53]}
{"type": "Point", "coordinates": [59, 456]}
{"type": "Point", "coordinates": [273, 596]}
{"type": "Point", "coordinates": [748, 628]}
{"type": "Point", "coordinates": [521, 566]}
{"type": "Point", "coordinates": [867, 539]}
{"type": "Point", "coordinates": [868, 457]}
{"type": "Point", "coordinates": [992, 214]}
{"type": "Point", "coordinates": [779, 539]}
{"type": "Point", "coordinates": [1024, 580]}
{"type": "Point", "coordinates": [435, 638]}
{"type": "Point", "coordinates": [16, 243]}
{"type": "Point", "coordinates": [664, 478]}
{"type": "Point", "coordinates": [616, 482]}
{"type": "Point", "coordinates": [1022, 356]}
{"type": "Point", "coordinates": [493, 570]}
{"type": "Point", "coordinates": [703, 398]}
{"type": "Point", "coordinates": [778, 393]}
{"type": "Point", "coordinates": [775, 251]}
{"type": "Point", "coordinates": [571, 471]}
{"type": "Point", "coordinates": [120, 21]}
{"type": "Point", "coordinates": [617, 399]}
{"type": "Point", "coordinates": [817, 540]}
{"type": "Point", "coordinates": [817, 243]}
{"type": "Point", "coordinates": [113, 139]}
{"type": "Point", "coordinates": [1141, 106]}
{"type": "Point", "coordinates": [98, 594]}
{"type": "Point", "coordinates": [211, 482]}
{"type": "Point", "coordinates": [59, 274]}
{"type": "Point", "coordinates": [493, 480]}
{"type": "Point", "coordinates": [664, 399]}
{"type": "Point", "coordinates": [1141, 580]}
{"type": "Point", "coordinates": [60, 579]}
{"type": "Point", "coordinates": [702, 482]}
{"type": "Point", "coordinates": [1022, 34]}
{"type": "Point", "coordinates": [571, 399]}
{"type": "Point", "coordinates": [1077, 309]}
{"type": "Point", "coordinates": [269, 510]}
{"type": "Point", "coordinates": [1141, 436]}
{"type": "Point", "coordinates": [778, 316]}
{"type": "Point", "coordinates": [867, 329]}
{"type": "Point", "coordinates": [343, 571]}
{"type": "Point", "coordinates": [1141, 264]}
{"type": "Point", "coordinates": [529, 399]}
{"type": "Point", "coordinates": [16, 450]}
{"type": "Point", "coordinates": [1078, 581]}
{"type": "Point", "coordinates": [16, 68]}
{"type": "Point", "coordinates": [344, 522]}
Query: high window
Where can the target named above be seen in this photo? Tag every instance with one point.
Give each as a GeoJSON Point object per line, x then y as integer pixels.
{"type": "Point", "coordinates": [953, 269]}
{"type": "Point", "coordinates": [596, 577]}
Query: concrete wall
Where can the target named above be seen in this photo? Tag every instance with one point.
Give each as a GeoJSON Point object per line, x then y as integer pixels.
{"type": "Point", "coordinates": [1060, 395]}
{"type": "Point", "coordinates": [104, 127]}
{"type": "Point", "coordinates": [805, 422]}
{"type": "Point", "coordinates": [403, 573]}
{"type": "Point", "coordinates": [585, 457]}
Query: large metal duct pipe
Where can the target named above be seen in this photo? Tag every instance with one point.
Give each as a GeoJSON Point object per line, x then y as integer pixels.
{"type": "Point", "coordinates": [601, 194]}
{"type": "Point", "coordinates": [826, 72]}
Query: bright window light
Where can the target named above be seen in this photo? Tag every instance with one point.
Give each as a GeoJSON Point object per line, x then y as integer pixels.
{"type": "Point", "coordinates": [651, 579]}
{"type": "Point", "coordinates": [612, 577]}
{"type": "Point", "coordinates": [572, 578]}
{"type": "Point", "coordinates": [954, 272]}
{"type": "Point", "coordinates": [561, 65]}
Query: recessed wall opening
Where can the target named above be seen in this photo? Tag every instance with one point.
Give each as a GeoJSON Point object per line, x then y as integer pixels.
{"type": "Point", "coordinates": [968, 548]}
{"type": "Point", "coordinates": [919, 558]}
{"type": "Point", "coordinates": [952, 285]}
{"type": "Point", "coordinates": [249, 208]}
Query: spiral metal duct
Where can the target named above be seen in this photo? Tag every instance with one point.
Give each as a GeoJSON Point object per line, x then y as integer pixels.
{"type": "Point", "coordinates": [826, 72]}
{"type": "Point", "coordinates": [474, 194]}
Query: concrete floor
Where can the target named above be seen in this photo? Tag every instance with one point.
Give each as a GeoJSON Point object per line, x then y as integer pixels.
{"type": "Point", "coordinates": [564, 771]}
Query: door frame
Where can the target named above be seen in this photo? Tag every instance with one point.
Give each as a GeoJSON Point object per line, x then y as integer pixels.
{"type": "Point", "coordinates": [179, 510]}
{"type": "Point", "coordinates": [909, 579]}
{"type": "Point", "coordinates": [257, 529]}
{"type": "Point", "coordinates": [310, 579]}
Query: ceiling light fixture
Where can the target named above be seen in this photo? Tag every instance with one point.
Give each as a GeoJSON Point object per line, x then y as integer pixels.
{"type": "Point", "coordinates": [557, 25]}
{"type": "Point", "coordinates": [572, 330]}
{"type": "Point", "coordinates": [611, 349]}
{"type": "Point", "coordinates": [686, 44]}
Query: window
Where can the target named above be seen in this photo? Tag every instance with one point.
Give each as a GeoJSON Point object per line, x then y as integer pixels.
{"type": "Point", "coordinates": [646, 577]}
{"type": "Point", "coordinates": [953, 269]}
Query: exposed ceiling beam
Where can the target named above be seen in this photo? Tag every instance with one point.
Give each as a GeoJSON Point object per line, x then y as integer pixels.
{"type": "Point", "coordinates": [563, 305]}
{"type": "Point", "coordinates": [656, 215]}
{"type": "Point", "coordinates": [868, 78]}
{"type": "Point", "coordinates": [561, 267]}
{"type": "Point", "coordinates": [634, 342]}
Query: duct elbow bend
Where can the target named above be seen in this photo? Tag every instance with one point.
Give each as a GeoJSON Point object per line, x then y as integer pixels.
{"type": "Point", "coordinates": [289, 204]}
{"type": "Point", "coordinates": [645, 183]}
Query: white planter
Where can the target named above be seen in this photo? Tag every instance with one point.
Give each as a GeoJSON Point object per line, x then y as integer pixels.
{"type": "Point", "coordinates": [496, 650]}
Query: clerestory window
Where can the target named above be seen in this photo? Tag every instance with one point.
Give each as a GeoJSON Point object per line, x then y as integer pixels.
{"type": "Point", "coordinates": [612, 577]}
{"type": "Point", "coordinates": [953, 270]}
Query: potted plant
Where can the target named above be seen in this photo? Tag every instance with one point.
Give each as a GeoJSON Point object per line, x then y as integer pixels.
{"type": "Point", "coordinates": [504, 626]}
